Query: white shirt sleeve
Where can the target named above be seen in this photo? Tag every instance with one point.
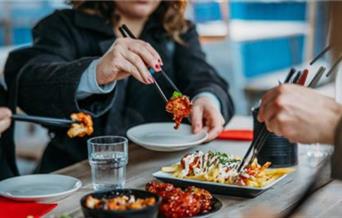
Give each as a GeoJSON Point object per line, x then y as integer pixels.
{"type": "Point", "coordinates": [214, 100]}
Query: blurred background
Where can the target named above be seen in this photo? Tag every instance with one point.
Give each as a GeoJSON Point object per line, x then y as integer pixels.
{"type": "Point", "coordinates": [252, 44]}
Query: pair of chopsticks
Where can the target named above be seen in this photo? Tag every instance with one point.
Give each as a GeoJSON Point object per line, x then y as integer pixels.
{"type": "Point", "coordinates": [127, 33]}
{"type": "Point", "coordinates": [43, 120]}
{"type": "Point", "coordinates": [293, 77]}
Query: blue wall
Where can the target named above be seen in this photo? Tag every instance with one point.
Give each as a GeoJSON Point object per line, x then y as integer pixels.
{"type": "Point", "coordinates": [262, 56]}
{"type": "Point", "coordinates": [291, 11]}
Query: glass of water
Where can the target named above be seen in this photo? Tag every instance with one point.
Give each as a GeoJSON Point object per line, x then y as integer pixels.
{"type": "Point", "coordinates": [108, 158]}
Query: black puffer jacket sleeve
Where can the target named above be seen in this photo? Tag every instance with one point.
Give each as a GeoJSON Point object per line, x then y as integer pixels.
{"type": "Point", "coordinates": [195, 75]}
{"type": "Point", "coordinates": [51, 70]}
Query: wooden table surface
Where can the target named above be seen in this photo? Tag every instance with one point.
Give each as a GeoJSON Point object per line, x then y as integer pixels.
{"type": "Point", "coordinates": [327, 202]}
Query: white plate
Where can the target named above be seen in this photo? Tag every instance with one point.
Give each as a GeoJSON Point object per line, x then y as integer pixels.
{"type": "Point", "coordinates": [163, 137]}
{"type": "Point", "coordinates": [39, 187]}
{"type": "Point", "coordinates": [217, 188]}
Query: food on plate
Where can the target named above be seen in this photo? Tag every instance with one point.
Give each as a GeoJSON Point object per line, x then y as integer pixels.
{"type": "Point", "coordinates": [222, 168]}
{"type": "Point", "coordinates": [179, 203]}
{"type": "Point", "coordinates": [119, 203]}
{"type": "Point", "coordinates": [180, 106]}
{"type": "Point", "coordinates": [83, 127]}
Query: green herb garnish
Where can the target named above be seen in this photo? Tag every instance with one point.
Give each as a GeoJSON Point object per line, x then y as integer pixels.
{"type": "Point", "coordinates": [176, 94]}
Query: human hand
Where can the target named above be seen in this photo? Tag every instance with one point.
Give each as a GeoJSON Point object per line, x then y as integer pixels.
{"type": "Point", "coordinates": [5, 118]}
{"type": "Point", "coordinates": [300, 114]}
{"type": "Point", "coordinates": [128, 57]}
{"type": "Point", "coordinates": [206, 116]}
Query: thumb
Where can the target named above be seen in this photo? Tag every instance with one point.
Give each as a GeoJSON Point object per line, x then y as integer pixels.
{"type": "Point", "coordinates": [197, 118]}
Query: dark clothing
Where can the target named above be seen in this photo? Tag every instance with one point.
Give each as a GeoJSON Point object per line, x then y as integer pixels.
{"type": "Point", "coordinates": [64, 45]}
{"type": "Point", "coordinates": [8, 167]}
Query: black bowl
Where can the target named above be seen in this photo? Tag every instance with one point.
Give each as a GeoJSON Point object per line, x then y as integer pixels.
{"type": "Point", "coordinates": [148, 212]}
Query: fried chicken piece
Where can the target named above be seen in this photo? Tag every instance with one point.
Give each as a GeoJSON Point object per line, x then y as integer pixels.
{"type": "Point", "coordinates": [177, 203]}
{"type": "Point", "coordinates": [203, 196]}
{"type": "Point", "coordinates": [83, 127]}
{"type": "Point", "coordinates": [180, 106]}
{"type": "Point", "coordinates": [92, 202]}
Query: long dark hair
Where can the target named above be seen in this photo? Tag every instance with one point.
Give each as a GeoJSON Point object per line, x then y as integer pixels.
{"type": "Point", "coordinates": [172, 14]}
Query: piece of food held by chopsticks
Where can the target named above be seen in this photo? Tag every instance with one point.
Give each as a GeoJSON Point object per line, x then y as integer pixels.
{"type": "Point", "coordinates": [83, 127]}
{"type": "Point", "coordinates": [180, 106]}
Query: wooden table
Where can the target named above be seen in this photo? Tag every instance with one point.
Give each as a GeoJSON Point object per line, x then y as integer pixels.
{"type": "Point", "coordinates": [142, 163]}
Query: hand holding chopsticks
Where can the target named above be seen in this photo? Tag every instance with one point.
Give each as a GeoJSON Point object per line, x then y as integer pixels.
{"type": "Point", "coordinates": [127, 33]}
{"type": "Point", "coordinates": [273, 114]}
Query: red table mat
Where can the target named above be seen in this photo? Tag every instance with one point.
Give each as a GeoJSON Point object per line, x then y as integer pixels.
{"type": "Point", "coordinates": [239, 135]}
{"type": "Point", "coordinates": [16, 209]}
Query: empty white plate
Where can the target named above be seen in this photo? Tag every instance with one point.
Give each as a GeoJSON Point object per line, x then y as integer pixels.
{"type": "Point", "coordinates": [163, 137]}
{"type": "Point", "coordinates": [39, 187]}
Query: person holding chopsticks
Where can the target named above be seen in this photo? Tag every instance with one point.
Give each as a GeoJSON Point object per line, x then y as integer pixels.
{"type": "Point", "coordinates": [78, 62]}
{"type": "Point", "coordinates": [302, 115]}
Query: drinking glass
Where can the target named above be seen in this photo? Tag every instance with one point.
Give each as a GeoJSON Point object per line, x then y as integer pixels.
{"type": "Point", "coordinates": [108, 158]}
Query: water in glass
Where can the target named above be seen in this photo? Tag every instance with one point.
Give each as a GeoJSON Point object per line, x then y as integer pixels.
{"type": "Point", "coordinates": [108, 170]}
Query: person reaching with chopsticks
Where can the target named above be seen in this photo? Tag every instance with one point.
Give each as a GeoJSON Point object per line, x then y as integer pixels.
{"type": "Point", "coordinates": [78, 62]}
{"type": "Point", "coordinates": [302, 115]}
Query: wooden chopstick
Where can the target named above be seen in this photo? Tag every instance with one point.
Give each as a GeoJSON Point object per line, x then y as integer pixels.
{"type": "Point", "coordinates": [43, 120]}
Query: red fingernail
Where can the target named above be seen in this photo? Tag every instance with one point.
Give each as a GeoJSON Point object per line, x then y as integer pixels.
{"type": "Point", "coordinates": [157, 66]}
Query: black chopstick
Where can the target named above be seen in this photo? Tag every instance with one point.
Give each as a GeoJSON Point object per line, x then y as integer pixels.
{"type": "Point", "coordinates": [290, 75]}
{"type": "Point", "coordinates": [314, 82]}
{"type": "Point", "coordinates": [261, 142]}
{"type": "Point", "coordinates": [309, 191]}
{"type": "Point", "coordinates": [127, 33]}
{"type": "Point", "coordinates": [130, 34]}
{"type": "Point", "coordinates": [337, 62]}
{"type": "Point", "coordinates": [296, 77]}
{"type": "Point", "coordinates": [170, 81]}
{"type": "Point", "coordinates": [261, 138]}
{"type": "Point", "coordinates": [43, 120]}
{"type": "Point", "coordinates": [320, 54]}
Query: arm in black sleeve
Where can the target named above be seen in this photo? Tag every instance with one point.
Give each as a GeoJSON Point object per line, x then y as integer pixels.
{"type": "Point", "coordinates": [195, 75]}
{"type": "Point", "coordinates": [51, 71]}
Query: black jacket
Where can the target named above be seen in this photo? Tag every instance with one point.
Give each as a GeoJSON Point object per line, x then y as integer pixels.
{"type": "Point", "coordinates": [66, 42]}
{"type": "Point", "coordinates": [8, 167]}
